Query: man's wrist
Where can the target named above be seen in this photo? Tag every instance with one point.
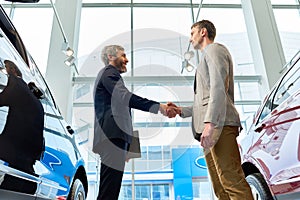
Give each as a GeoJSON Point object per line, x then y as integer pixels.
{"type": "Point", "coordinates": [210, 124]}
{"type": "Point", "coordinates": [162, 108]}
{"type": "Point", "coordinates": [180, 113]}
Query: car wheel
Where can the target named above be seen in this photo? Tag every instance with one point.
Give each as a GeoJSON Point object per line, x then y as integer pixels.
{"type": "Point", "coordinates": [77, 191]}
{"type": "Point", "coordinates": [259, 187]}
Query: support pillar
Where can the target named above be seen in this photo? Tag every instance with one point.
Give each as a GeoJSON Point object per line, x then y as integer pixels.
{"type": "Point", "coordinates": [58, 75]}
{"type": "Point", "coordinates": [266, 48]}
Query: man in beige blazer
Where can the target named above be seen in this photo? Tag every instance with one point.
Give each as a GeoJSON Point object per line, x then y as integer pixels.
{"type": "Point", "coordinates": [215, 120]}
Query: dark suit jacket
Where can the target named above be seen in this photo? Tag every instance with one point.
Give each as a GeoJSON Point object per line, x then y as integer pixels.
{"type": "Point", "coordinates": [112, 104]}
{"type": "Point", "coordinates": [21, 141]}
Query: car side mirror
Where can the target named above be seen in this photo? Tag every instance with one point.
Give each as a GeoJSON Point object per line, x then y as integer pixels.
{"type": "Point", "coordinates": [36, 91]}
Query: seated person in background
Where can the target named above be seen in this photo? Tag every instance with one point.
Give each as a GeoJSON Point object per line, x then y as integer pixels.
{"type": "Point", "coordinates": [22, 141]}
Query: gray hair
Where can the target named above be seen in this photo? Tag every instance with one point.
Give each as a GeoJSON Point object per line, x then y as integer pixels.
{"type": "Point", "coordinates": [110, 50]}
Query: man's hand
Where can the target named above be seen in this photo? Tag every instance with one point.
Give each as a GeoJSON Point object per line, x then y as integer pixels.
{"type": "Point", "coordinates": [163, 109]}
{"type": "Point", "coordinates": [170, 109]}
{"type": "Point", "coordinates": [207, 140]}
{"type": "Point", "coordinates": [173, 110]}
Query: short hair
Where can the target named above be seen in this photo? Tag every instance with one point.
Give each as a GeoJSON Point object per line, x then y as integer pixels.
{"type": "Point", "coordinates": [110, 50]}
{"type": "Point", "coordinates": [210, 27]}
{"type": "Point", "coordinates": [13, 67]}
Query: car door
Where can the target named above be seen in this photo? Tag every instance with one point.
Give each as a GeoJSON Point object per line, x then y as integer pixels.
{"type": "Point", "coordinates": [61, 158]}
{"type": "Point", "coordinates": [53, 158]}
{"type": "Point", "coordinates": [3, 83]}
{"type": "Point", "coordinates": [278, 143]}
{"type": "Point", "coordinates": [7, 52]}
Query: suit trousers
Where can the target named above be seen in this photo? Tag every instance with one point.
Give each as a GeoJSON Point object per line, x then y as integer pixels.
{"type": "Point", "coordinates": [113, 155]}
{"type": "Point", "coordinates": [224, 167]}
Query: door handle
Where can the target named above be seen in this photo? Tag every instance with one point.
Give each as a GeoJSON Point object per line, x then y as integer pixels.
{"type": "Point", "coordinates": [70, 130]}
{"type": "Point", "coordinates": [260, 128]}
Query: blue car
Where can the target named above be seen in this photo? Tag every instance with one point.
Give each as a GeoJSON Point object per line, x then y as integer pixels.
{"type": "Point", "coordinates": [58, 171]}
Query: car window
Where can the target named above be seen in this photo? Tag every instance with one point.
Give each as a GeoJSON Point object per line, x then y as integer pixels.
{"type": "Point", "coordinates": [268, 106]}
{"type": "Point", "coordinates": [289, 84]}
{"type": "Point", "coordinates": [53, 124]}
{"type": "Point", "coordinates": [7, 52]}
{"type": "Point", "coordinates": [287, 87]}
{"type": "Point", "coordinates": [40, 82]}
{"type": "Point", "coordinates": [3, 109]}
{"type": "Point", "coordinates": [3, 76]}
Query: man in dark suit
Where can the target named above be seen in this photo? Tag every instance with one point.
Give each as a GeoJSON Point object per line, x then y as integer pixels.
{"type": "Point", "coordinates": [113, 123]}
{"type": "Point", "coordinates": [21, 142]}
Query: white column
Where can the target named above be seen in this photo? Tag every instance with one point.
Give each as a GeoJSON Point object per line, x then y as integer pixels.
{"type": "Point", "coordinates": [58, 75]}
{"type": "Point", "coordinates": [266, 48]}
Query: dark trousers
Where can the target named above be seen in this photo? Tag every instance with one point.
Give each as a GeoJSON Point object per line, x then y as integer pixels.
{"type": "Point", "coordinates": [113, 155]}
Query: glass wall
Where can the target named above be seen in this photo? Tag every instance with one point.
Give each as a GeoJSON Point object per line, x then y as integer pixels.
{"type": "Point", "coordinates": [155, 35]}
{"type": "Point", "coordinates": [156, 38]}
{"type": "Point", "coordinates": [146, 192]}
{"type": "Point", "coordinates": [202, 190]}
{"type": "Point", "coordinates": [289, 33]}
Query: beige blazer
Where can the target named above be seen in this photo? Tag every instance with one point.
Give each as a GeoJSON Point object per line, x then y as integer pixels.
{"type": "Point", "coordinates": [213, 91]}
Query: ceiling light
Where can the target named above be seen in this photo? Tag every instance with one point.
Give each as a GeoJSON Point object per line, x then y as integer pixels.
{"type": "Point", "coordinates": [186, 65]}
{"type": "Point", "coordinates": [189, 67]}
{"type": "Point", "coordinates": [188, 55]}
{"type": "Point", "coordinates": [68, 51]}
{"type": "Point", "coordinates": [70, 61]}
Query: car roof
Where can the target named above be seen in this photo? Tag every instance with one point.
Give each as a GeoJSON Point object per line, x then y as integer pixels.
{"type": "Point", "coordinates": [10, 31]}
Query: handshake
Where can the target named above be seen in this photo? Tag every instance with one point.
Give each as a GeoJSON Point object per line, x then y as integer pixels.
{"type": "Point", "coordinates": [170, 109]}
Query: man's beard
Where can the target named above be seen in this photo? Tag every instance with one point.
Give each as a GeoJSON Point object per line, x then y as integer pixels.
{"type": "Point", "coordinates": [122, 69]}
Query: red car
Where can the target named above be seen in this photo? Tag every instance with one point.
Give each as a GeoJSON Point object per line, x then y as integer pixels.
{"type": "Point", "coordinates": [270, 151]}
